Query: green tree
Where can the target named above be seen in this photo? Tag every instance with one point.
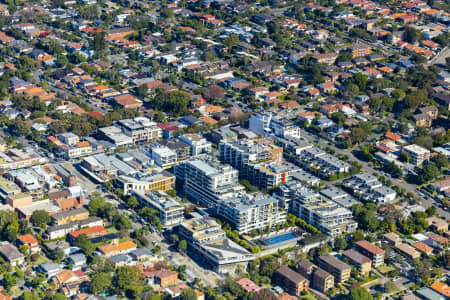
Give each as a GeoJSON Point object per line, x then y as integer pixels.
{"type": "Point", "coordinates": [440, 160]}
{"type": "Point", "coordinates": [405, 157]}
{"type": "Point", "coordinates": [40, 218]}
{"type": "Point", "coordinates": [85, 244]}
{"type": "Point", "coordinates": [393, 169]}
{"type": "Point", "coordinates": [268, 266]}
{"type": "Point", "coordinates": [9, 281]}
{"type": "Point", "coordinates": [410, 35]}
{"type": "Point", "coordinates": [360, 293]}
{"type": "Point", "coordinates": [128, 280]}
{"type": "Point", "coordinates": [188, 294]}
{"type": "Point", "coordinates": [100, 283]}
{"type": "Point", "coordinates": [182, 246]}
{"type": "Point", "coordinates": [428, 172]}
{"type": "Point", "coordinates": [94, 205]}
{"type": "Point", "coordinates": [141, 91]}
{"type": "Point", "coordinates": [230, 41]}
{"type": "Point", "coordinates": [340, 243]}
{"type": "Point", "coordinates": [133, 202]}
{"type": "Point", "coordinates": [59, 296]}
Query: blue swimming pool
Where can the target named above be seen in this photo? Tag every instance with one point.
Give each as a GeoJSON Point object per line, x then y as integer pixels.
{"type": "Point", "coordinates": [280, 238]}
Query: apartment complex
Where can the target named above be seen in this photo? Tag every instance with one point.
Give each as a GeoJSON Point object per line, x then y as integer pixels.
{"type": "Point", "coordinates": [322, 213]}
{"type": "Point", "coordinates": [208, 181]}
{"type": "Point", "coordinates": [418, 154]}
{"type": "Point", "coordinates": [376, 254]}
{"type": "Point", "coordinates": [251, 212]}
{"type": "Point", "coordinates": [170, 212]}
{"type": "Point", "coordinates": [362, 263]}
{"type": "Point", "coordinates": [141, 129]}
{"type": "Point", "coordinates": [261, 163]}
{"type": "Point", "coordinates": [369, 188]}
{"type": "Point", "coordinates": [208, 241]}
{"type": "Point", "coordinates": [340, 270]}
{"type": "Point", "coordinates": [292, 281]}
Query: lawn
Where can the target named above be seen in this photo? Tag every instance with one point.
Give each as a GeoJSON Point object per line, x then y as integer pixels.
{"type": "Point", "coordinates": [307, 297]}
{"type": "Point", "coordinates": [385, 269]}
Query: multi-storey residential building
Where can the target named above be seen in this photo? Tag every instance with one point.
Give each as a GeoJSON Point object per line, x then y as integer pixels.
{"type": "Point", "coordinates": [140, 129]}
{"type": "Point", "coordinates": [322, 280]}
{"type": "Point", "coordinates": [362, 263]}
{"type": "Point", "coordinates": [340, 270]}
{"type": "Point", "coordinates": [182, 149]}
{"type": "Point", "coordinates": [322, 213]}
{"type": "Point", "coordinates": [258, 162]}
{"type": "Point", "coordinates": [292, 281]}
{"type": "Point", "coordinates": [368, 188]}
{"type": "Point", "coordinates": [266, 124]}
{"type": "Point", "coordinates": [170, 212]}
{"type": "Point", "coordinates": [259, 123]}
{"type": "Point", "coordinates": [164, 156]}
{"type": "Point", "coordinates": [197, 143]}
{"type": "Point", "coordinates": [317, 160]}
{"type": "Point", "coordinates": [208, 181]}
{"type": "Point", "coordinates": [209, 243]}
{"type": "Point", "coordinates": [359, 50]}
{"type": "Point", "coordinates": [162, 181]}
{"type": "Point", "coordinates": [251, 212]}
{"type": "Point", "coordinates": [373, 252]}
{"type": "Point", "coordinates": [418, 154]}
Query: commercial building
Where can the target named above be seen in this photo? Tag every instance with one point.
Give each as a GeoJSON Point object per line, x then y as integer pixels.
{"type": "Point", "coordinates": [418, 154]}
{"type": "Point", "coordinates": [322, 213]}
{"type": "Point", "coordinates": [291, 281]}
{"type": "Point", "coordinates": [145, 182]}
{"type": "Point", "coordinates": [209, 243]}
{"type": "Point", "coordinates": [362, 263]}
{"type": "Point", "coordinates": [373, 252]}
{"type": "Point", "coordinates": [251, 212]}
{"type": "Point", "coordinates": [170, 212]}
{"type": "Point", "coordinates": [208, 181]}
{"type": "Point", "coordinates": [340, 270]}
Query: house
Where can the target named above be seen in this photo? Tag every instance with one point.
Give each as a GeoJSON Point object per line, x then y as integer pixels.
{"type": "Point", "coordinates": [49, 269]}
{"type": "Point", "coordinates": [248, 285]}
{"type": "Point", "coordinates": [422, 247]}
{"type": "Point", "coordinates": [291, 281]}
{"type": "Point", "coordinates": [70, 282]}
{"type": "Point", "coordinates": [165, 277]}
{"type": "Point", "coordinates": [109, 250]}
{"type": "Point", "coordinates": [127, 101]}
{"type": "Point", "coordinates": [29, 241]}
{"type": "Point", "coordinates": [10, 253]}
{"type": "Point", "coordinates": [423, 120]}
{"type": "Point", "coordinates": [408, 251]}
{"type": "Point", "coordinates": [441, 288]}
{"type": "Point", "coordinates": [437, 223]}
{"type": "Point", "coordinates": [78, 261]}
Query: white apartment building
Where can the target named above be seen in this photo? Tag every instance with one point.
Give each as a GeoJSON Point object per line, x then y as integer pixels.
{"type": "Point", "coordinates": [197, 143]}
{"type": "Point", "coordinates": [251, 212]}
{"type": "Point", "coordinates": [164, 156]}
{"type": "Point", "coordinates": [418, 154]}
{"type": "Point", "coordinates": [322, 213]}
{"type": "Point", "coordinates": [171, 213]}
{"type": "Point", "coordinates": [209, 243]}
{"type": "Point", "coordinates": [207, 181]}
{"type": "Point", "coordinates": [140, 129]}
{"type": "Point", "coordinates": [259, 123]}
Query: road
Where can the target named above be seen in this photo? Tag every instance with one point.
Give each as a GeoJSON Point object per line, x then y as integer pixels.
{"type": "Point", "coordinates": [367, 168]}
{"type": "Point", "coordinates": [440, 57]}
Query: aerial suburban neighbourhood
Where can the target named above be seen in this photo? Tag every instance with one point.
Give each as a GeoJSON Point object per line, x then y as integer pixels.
{"type": "Point", "coordinates": [225, 149]}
